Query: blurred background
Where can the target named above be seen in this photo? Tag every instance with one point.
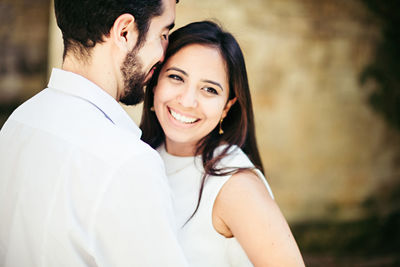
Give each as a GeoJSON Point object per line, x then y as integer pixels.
{"type": "Point", "coordinates": [325, 81]}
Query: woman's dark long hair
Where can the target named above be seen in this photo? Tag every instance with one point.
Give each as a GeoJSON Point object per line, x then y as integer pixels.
{"type": "Point", "coordinates": [238, 125]}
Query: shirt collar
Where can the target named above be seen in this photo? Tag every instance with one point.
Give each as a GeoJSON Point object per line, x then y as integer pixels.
{"type": "Point", "coordinates": [78, 86]}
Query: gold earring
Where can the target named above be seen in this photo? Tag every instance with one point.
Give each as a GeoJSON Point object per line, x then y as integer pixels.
{"type": "Point", "coordinates": [220, 127]}
{"type": "Point", "coordinates": [152, 109]}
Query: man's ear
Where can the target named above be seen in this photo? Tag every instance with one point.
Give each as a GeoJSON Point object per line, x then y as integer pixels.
{"type": "Point", "coordinates": [124, 32]}
{"type": "Point", "coordinates": [228, 107]}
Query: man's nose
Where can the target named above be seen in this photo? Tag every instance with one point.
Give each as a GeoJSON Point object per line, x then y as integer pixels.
{"type": "Point", "coordinates": [164, 46]}
{"type": "Point", "coordinates": [162, 57]}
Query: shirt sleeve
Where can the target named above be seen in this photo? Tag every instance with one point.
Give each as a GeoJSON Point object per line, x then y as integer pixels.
{"type": "Point", "coordinates": [134, 223]}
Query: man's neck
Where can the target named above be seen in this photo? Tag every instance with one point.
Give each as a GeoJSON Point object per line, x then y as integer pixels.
{"type": "Point", "coordinates": [94, 69]}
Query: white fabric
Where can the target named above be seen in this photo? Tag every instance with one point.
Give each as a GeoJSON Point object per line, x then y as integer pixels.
{"type": "Point", "coordinates": [202, 244]}
{"type": "Point", "coordinates": [78, 187]}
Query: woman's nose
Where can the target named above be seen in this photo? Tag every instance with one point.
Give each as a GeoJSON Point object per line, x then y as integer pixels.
{"type": "Point", "coordinates": [188, 98]}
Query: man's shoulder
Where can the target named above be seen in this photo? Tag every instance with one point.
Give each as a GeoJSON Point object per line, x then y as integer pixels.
{"type": "Point", "coordinates": [74, 122]}
{"type": "Point", "coordinates": [128, 144]}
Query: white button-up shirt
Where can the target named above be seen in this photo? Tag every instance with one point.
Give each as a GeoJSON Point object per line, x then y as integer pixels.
{"type": "Point", "coordinates": [77, 185]}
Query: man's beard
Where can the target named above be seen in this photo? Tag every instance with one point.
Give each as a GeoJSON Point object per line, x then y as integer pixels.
{"type": "Point", "coordinates": [134, 79]}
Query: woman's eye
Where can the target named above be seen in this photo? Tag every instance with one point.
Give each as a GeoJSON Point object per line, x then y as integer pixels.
{"type": "Point", "coordinates": [211, 90]}
{"type": "Point", "coordinates": [165, 37]}
{"type": "Point", "coordinates": [175, 77]}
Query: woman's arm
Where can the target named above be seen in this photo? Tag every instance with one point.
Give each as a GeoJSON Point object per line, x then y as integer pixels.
{"type": "Point", "coordinates": [244, 209]}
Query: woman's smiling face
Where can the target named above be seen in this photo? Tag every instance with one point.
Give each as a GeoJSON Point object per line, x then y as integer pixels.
{"type": "Point", "coordinates": [191, 96]}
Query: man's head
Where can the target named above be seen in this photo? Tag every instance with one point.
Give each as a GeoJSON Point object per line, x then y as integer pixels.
{"type": "Point", "coordinates": [85, 23]}
{"type": "Point", "coordinates": [135, 32]}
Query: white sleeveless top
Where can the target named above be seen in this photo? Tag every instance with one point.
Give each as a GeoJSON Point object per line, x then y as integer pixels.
{"type": "Point", "coordinates": [201, 243]}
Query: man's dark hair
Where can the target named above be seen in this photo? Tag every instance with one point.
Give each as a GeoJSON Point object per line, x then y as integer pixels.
{"type": "Point", "coordinates": [84, 23]}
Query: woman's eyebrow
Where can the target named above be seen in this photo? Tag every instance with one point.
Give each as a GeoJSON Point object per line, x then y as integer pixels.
{"type": "Point", "coordinates": [215, 83]}
{"type": "Point", "coordinates": [179, 70]}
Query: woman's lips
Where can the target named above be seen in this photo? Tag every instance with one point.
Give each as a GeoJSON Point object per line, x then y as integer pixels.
{"type": "Point", "coordinates": [182, 118]}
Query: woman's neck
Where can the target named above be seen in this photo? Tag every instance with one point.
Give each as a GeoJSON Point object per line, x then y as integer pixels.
{"type": "Point", "coordinates": [180, 149]}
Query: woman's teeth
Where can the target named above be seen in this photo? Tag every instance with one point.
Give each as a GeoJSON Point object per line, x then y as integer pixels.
{"type": "Point", "coordinates": [182, 118]}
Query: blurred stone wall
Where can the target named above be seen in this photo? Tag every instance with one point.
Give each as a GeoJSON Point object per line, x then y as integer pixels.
{"type": "Point", "coordinates": [328, 155]}
{"type": "Point", "coordinates": [23, 51]}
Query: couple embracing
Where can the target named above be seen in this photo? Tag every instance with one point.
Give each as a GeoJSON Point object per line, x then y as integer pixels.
{"type": "Point", "coordinates": [82, 185]}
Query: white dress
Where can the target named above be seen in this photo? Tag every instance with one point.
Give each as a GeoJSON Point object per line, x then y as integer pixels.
{"type": "Point", "coordinates": [202, 244]}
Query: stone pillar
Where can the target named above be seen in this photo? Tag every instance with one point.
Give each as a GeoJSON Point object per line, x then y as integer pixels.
{"type": "Point", "coordinates": [56, 46]}
{"type": "Point", "coordinates": [23, 51]}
